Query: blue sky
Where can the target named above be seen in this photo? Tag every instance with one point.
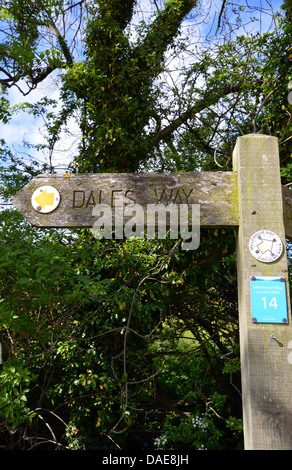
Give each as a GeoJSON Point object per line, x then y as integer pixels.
{"type": "Point", "coordinates": [24, 126]}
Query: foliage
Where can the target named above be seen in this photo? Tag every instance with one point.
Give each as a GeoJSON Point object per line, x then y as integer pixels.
{"type": "Point", "coordinates": [13, 407]}
{"type": "Point", "coordinates": [198, 432]}
{"type": "Point", "coordinates": [66, 313]}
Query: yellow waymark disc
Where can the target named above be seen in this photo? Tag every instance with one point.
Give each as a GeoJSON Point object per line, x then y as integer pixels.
{"type": "Point", "coordinates": [45, 199]}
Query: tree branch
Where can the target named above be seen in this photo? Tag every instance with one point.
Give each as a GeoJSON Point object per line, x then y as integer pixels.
{"type": "Point", "coordinates": [61, 40]}
{"type": "Point", "coordinates": [162, 32]}
{"type": "Point", "coordinates": [202, 104]}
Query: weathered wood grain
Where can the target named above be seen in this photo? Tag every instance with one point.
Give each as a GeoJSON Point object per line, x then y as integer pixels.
{"type": "Point", "coordinates": [287, 211]}
{"type": "Point", "coordinates": [266, 370]}
{"type": "Point", "coordinates": [216, 192]}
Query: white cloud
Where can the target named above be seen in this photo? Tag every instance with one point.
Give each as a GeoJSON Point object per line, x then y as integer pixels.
{"type": "Point", "coordinates": [24, 127]}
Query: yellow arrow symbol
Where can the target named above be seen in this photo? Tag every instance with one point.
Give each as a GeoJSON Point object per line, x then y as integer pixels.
{"type": "Point", "coordinates": [45, 199]}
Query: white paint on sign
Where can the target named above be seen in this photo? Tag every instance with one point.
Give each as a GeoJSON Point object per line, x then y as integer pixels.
{"type": "Point", "coordinates": [45, 199]}
{"type": "Point", "coordinates": [265, 246]}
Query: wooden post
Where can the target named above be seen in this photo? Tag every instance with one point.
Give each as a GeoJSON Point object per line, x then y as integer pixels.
{"type": "Point", "coordinates": [265, 348]}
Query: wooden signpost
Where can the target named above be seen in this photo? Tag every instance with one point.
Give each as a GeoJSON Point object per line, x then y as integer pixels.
{"type": "Point", "coordinates": [250, 199]}
{"type": "Point", "coordinates": [79, 193]}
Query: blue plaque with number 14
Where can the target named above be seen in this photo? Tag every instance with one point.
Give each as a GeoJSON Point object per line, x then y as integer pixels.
{"type": "Point", "coordinates": [268, 300]}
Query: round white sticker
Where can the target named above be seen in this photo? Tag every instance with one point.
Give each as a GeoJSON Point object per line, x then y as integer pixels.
{"type": "Point", "coordinates": [265, 246]}
{"type": "Point", "coordinates": [45, 199]}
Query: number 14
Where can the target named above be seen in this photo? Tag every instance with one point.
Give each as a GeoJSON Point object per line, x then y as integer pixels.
{"type": "Point", "coordinates": [273, 302]}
